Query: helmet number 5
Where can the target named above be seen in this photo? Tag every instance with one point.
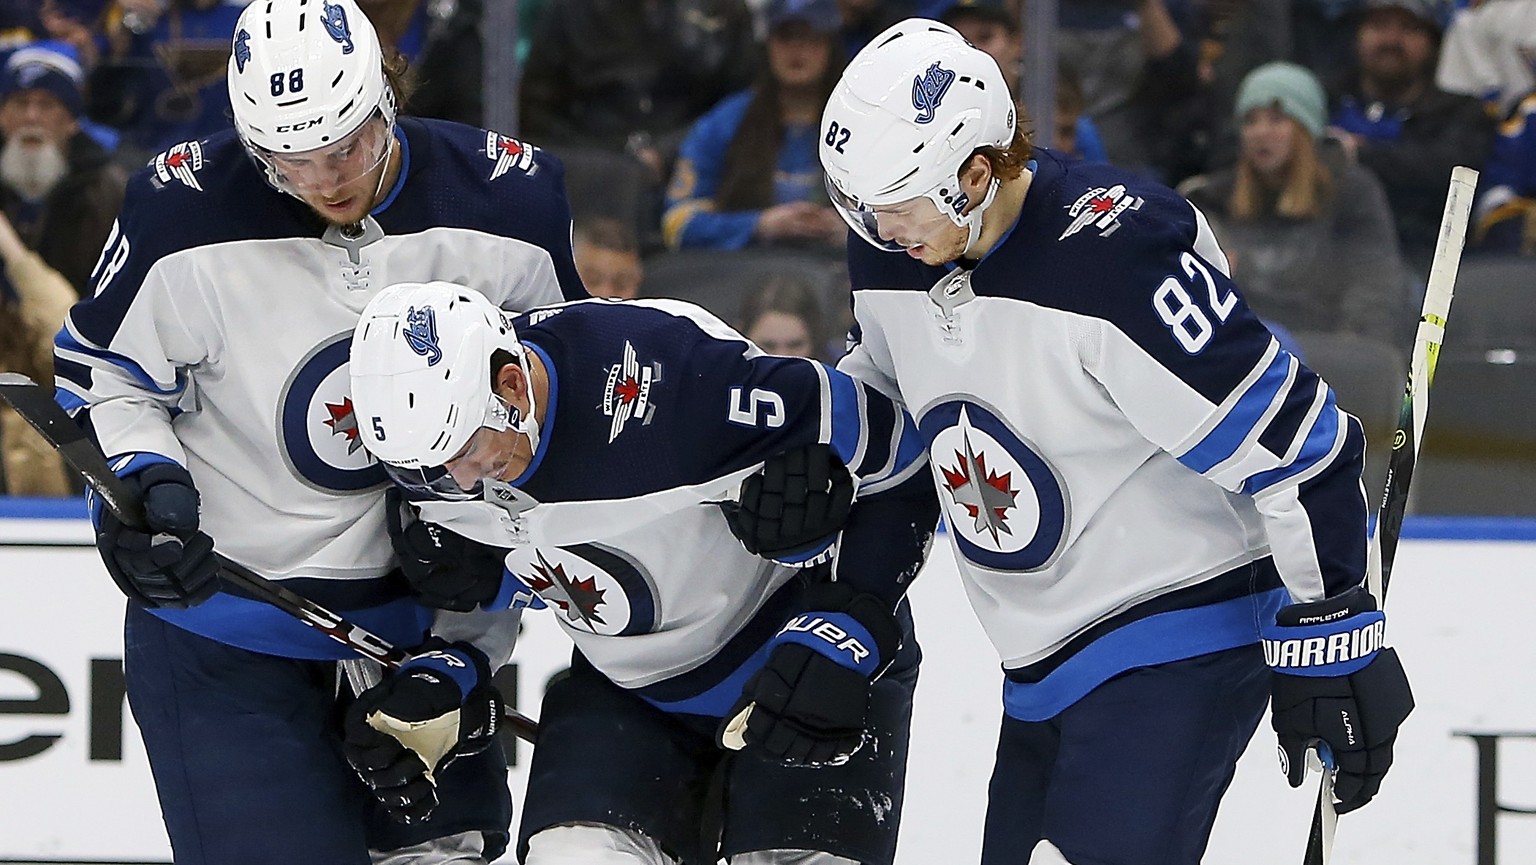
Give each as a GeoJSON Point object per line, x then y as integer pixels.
{"type": "Point", "coordinates": [1184, 318]}
{"type": "Point", "coordinates": [837, 136]}
{"type": "Point", "coordinates": [293, 82]}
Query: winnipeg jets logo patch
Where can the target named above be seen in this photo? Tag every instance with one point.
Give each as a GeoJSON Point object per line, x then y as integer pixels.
{"type": "Point", "coordinates": [180, 163]}
{"type": "Point", "coordinates": [591, 588]}
{"type": "Point", "coordinates": [1101, 208]}
{"type": "Point", "coordinates": [508, 153]}
{"type": "Point", "coordinates": [343, 422]}
{"type": "Point", "coordinates": [318, 430]}
{"type": "Point", "coordinates": [627, 394]}
{"type": "Point", "coordinates": [1005, 505]}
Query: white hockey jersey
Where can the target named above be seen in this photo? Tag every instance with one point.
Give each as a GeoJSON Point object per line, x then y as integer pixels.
{"type": "Point", "coordinates": [218, 335]}
{"type": "Point", "coordinates": [1128, 462]}
{"type": "Point", "coordinates": [656, 412]}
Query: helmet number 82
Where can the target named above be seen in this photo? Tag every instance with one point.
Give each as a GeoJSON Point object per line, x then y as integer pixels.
{"type": "Point", "coordinates": [837, 136]}
{"type": "Point", "coordinates": [292, 82]}
{"type": "Point", "coordinates": [1178, 310]}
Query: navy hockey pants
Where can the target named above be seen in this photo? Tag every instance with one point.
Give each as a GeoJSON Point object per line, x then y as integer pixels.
{"type": "Point", "coordinates": [1132, 773]}
{"type": "Point", "coordinates": [248, 766]}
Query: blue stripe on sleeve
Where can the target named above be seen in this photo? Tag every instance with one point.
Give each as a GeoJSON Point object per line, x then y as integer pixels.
{"type": "Point", "coordinates": [66, 341]}
{"type": "Point", "coordinates": [1316, 449]}
{"type": "Point", "coordinates": [1223, 441]}
{"type": "Point", "coordinates": [846, 420]}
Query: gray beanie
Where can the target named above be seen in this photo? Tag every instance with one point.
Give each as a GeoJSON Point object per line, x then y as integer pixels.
{"type": "Point", "coordinates": [1295, 88]}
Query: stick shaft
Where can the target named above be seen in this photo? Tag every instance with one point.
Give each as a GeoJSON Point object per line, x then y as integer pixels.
{"type": "Point", "coordinates": [37, 407]}
{"type": "Point", "coordinates": [1381, 548]}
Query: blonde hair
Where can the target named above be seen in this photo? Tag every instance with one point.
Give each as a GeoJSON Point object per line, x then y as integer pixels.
{"type": "Point", "coordinates": [1303, 192]}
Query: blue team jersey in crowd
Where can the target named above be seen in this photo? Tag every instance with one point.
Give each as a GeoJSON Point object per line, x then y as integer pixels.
{"type": "Point", "coordinates": [218, 334]}
{"type": "Point", "coordinates": [656, 412]}
{"type": "Point", "coordinates": [1133, 469]}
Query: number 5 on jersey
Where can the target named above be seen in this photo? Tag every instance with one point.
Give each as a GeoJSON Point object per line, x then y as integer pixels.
{"type": "Point", "coordinates": [1178, 310]}
{"type": "Point", "coordinates": [743, 409]}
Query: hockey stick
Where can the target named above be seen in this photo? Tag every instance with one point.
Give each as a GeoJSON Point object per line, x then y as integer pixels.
{"type": "Point", "coordinates": [38, 408]}
{"type": "Point", "coordinates": [1381, 550]}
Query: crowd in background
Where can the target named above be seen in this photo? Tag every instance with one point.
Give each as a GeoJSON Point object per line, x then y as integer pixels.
{"type": "Point", "coordinates": [1317, 136]}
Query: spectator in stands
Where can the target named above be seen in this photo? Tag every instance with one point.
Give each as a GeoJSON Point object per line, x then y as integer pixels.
{"type": "Point", "coordinates": [162, 79]}
{"type": "Point", "coordinates": [784, 316]}
{"type": "Point", "coordinates": [1488, 54]}
{"type": "Point", "coordinates": [994, 28]}
{"type": "Point", "coordinates": [1139, 75]}
{"type": "Point", "coordinates": [76, 23]}
{"type": "Point", "coordinates": [632, 75]}
{"type": "Point", "coordinates": [1308, 233]}
{"type": "Point", "coordinates": [748, 172]}
{"type": "Point", "coordinates": [34, 299]}
{"type": "Point", "coordinates": [441, 43]}
{"type": "Point", "coordinates": [1391, 118]}
{"type": "Point", "coordinates": [862, 20]}
{"type": "Point", "coordinates": [608, 257]}
{"type": "Point", "coordinates": [58, 187]}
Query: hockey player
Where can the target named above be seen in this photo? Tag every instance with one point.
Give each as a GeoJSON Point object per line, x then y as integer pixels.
{"type": "Point", "coordinates": [1141, 485]}
{"type": "Point", "coordinates": [210, 365]}
{"type": "Point", "coordinates": [593, 457]}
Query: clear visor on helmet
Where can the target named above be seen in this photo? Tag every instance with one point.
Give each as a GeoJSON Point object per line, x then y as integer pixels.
{"type": "Point", "coordinates": [894, 227]}
{"type": "Point", "coordinates": [326, 169]}
{"type": "Point", "coordinates": [462, 478]}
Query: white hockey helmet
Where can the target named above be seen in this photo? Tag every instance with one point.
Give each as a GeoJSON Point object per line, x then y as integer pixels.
{"type": "Point", "coordinates": [305, 75]}
{"type": "Point", "coordinates": [909, 110]}
{"type": "Point", "coordinates": [421, 380]}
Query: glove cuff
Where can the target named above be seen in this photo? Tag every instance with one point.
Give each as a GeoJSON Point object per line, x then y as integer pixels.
{"type": "Point", "coordinates": [854, 629]}
{"type": "Point", "coordinates": [1333, 637]}
{"type": "Point", "coordinates": [461, 663]}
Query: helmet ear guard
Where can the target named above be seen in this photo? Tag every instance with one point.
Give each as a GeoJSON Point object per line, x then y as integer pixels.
{"type": "Point", "coordinates": [909, 111]}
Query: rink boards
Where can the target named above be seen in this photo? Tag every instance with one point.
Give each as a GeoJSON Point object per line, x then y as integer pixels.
{"type": "Point", "coordinates": [75, 786]}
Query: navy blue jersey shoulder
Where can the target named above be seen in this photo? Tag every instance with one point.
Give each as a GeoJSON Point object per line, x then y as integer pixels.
{"type": "Point", "coordinates": [464, 177]}
{"type": "Point", "coordinates": [642, 399]}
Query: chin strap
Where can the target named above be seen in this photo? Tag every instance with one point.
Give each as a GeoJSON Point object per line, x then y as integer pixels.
{"type": "Point", "coordinates": [971, 221]}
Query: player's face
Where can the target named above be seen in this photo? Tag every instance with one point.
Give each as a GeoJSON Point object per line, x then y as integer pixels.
{"type": "Point", "coordinates": [1269, 140]}
{"type": "Point", "coordinates": [490, 455]}
{"type": "Point", "coordinates": [340, 181]}
{"type": "Point", "coordinates": [927, 234]}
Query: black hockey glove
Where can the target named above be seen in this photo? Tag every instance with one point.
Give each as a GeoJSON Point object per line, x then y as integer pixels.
{"type": "Point", "coordinates": [445, 569]}
{"type": "Point", "coordinates": [172, 563]}
{"type": "Point", "coordinates": [1336, 684]}
{"type": "Point", "coordinates": [792, 510]}
{"type": "Point", "coordinates": [401, 732]}
{"type": "Point", "coordinates": [809, 702]}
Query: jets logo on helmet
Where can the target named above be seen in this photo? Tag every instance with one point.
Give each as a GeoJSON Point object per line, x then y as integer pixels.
{"type": "Point", "coordinates": [335, 22]}
{"type": "Point", "coordinates": [242, 50]}
{"type": "Point", "coordinates": [420, 334]}
{"type": "Point", "coordinates": [928, 91]}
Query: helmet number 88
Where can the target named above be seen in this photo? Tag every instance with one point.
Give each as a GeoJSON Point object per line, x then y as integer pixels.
{"type": "Point", "coordinates": [1178, 310]}
{"type": "Point", "coordinates": [292, 82]}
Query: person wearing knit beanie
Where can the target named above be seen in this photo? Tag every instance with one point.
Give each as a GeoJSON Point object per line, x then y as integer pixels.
{"type": "Point", "coordinates": [1293, 88]}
